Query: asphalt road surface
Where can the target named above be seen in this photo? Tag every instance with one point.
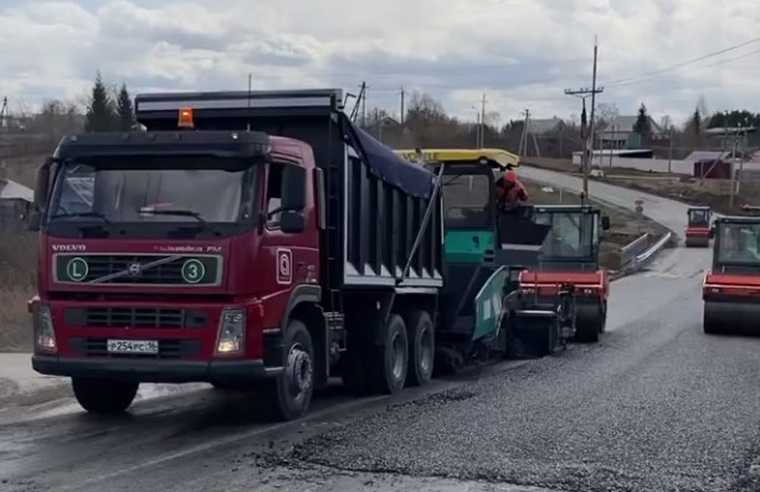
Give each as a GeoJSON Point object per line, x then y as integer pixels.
{"type": "Point", "coordinates": [657, 405]}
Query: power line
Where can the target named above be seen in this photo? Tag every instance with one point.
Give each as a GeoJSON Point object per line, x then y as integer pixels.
{"type": "Point", "coordinates": [729, 60]}
{"type": "Point", "coordinates": [655, 73]}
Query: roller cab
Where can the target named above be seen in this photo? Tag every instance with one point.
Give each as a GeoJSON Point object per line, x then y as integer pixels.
{"type": "Point", "coordinates": [731, 289]}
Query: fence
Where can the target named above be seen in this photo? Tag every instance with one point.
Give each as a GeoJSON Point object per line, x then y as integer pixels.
{"type": "Point", "coordinates": [652, 165]}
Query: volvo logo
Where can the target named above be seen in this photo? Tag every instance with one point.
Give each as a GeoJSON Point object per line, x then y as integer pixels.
{"type": "Point", "coordinates": [134, 270]}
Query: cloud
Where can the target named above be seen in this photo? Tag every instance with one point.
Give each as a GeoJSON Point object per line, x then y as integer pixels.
{"type": "Point", "coordinates": [522, 52]}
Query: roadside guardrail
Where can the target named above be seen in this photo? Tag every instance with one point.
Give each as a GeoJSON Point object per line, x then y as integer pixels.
{"type": "Point", "coordinates": [638, 253]}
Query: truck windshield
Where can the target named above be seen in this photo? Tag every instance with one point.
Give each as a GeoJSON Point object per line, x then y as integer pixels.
{"type": "Point", "coordinates": [572, 235]}
{"type": "Point", "coordinates": [738, 244]}
{"type": "Point", "coordinates": [466, 199]}
{"type": "Point", "coordinates": [109, 193]}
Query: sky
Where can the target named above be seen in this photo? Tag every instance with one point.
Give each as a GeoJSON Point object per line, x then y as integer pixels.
{"type": "Point", "coordinates": [521, 53]}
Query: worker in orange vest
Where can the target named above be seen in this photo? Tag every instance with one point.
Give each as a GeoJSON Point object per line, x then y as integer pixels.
{"type": "Point", "coordinates": [510, 192]}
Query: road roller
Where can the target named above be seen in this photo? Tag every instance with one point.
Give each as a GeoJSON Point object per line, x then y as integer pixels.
{"type": "Point", "coordinates": [570, 256]}
{"type": "Point", "coordinates": [731, 290]}
{"type": "Point", "coordinates": [699, 230]}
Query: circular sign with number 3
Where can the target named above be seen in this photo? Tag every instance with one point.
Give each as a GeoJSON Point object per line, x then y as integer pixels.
{"type": "Point", "coordinates": [193, 271]}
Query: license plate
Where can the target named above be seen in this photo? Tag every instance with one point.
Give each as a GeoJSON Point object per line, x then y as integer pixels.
{"type": "Point", "coordinates": [132, 346]}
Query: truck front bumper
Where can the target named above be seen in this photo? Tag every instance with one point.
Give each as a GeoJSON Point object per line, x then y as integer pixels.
{"type": "Point", "coordinates": [156, 371]}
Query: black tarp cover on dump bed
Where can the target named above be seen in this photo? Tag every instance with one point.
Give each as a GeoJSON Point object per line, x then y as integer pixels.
{"type": "Point", "coordinates": [383, 162]}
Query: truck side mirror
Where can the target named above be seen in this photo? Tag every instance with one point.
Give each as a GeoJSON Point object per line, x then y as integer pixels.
{"type": "Point", "coordinates": [293, 188]}
{"type": "Point", "coordinates": [292, 221]}
{"type": "Point", "coordinates": [41, 190]}
{"type": "Point", "coordinates": [605, 223]}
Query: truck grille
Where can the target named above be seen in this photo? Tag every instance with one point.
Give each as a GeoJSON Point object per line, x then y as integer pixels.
{"type": "Point", "coordinates": [134, 317]}
{"type": "Point", "coordinates": [187, 270]}
{"type": "Point", "coordinates": [167, 349]}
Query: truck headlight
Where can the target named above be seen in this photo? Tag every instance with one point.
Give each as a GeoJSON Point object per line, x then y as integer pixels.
{"type": "Point", "coordinates": [231, 332]}
{"type": "Point", "coordinates": [44, 334]}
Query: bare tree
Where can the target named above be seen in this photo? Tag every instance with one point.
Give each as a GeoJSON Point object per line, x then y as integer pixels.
{"type": "Point", "coordinates": [666, 123]}
{"type": "Point", "coordinates": [607, 112]}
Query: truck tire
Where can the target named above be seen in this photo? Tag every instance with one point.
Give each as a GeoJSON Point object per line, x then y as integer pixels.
{"type": "Point", "coordinates": [390, 360]}
{"type": "Point", "coordinates": [421, 339]}
{"type": "Point", "coordinates": [291, 391]}
{"type": "Point", "coordinates": [603, 327]}
{"type": "Point", "coordinates": [103, 396]}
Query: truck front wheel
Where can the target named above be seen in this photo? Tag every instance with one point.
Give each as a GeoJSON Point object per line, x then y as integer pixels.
{"type": "Point", "coordinates": [290, 393]}
{"type": "Point", "coordinates": [103, 396]}
{"type": "Point", "coordinates": [421, 338]}
{"type": "Point", "coordinates": [391, 356]}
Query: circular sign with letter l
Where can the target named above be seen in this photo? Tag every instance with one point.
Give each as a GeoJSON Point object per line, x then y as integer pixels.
{"type": "Point", "coordinates": [193, 271]}
{"type": "Point", "coordinates": [77, 269]}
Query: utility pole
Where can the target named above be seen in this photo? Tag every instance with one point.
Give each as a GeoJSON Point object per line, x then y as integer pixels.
{"type": "Point", "coordinates": [482, 142]}
{"type": "Point", "coordinates": [583, 93]}
{"type": "Point", "coordinates": [733, 170]}
{"type": "Point", "coordinates": [364, 105]}
{"type": "Point", "coordinates": [250, 85]}
{"type": "Point", "coordinates": [379, 125]}
{"type": "Point", "coordinates": [3, 113]}
{"type": "Point", "coordinates": [670, 153]}
{"type": "Point", "coordinates": [403, 114]}
{"type": "Point", "coordinates": [612, 144]}
{"type": "Point", "coordinates": [523, 149]}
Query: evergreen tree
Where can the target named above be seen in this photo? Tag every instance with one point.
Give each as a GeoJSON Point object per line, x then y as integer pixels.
{"type": "Point", "coordinates": [696, 123]}
{"type": "Point", "coordinates": [100, 111]}
{"type": "Point", "coordinates": [124, 111]}
{"type": "Point", "coordinates": [643, 125]}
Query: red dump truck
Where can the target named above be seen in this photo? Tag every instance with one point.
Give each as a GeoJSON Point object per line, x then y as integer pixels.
{"type": "Point", "coordinates": [200, 251]}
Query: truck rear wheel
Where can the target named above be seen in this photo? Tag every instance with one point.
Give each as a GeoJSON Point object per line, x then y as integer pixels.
{"type": "Point", "coordinates": [421, 338]}
{"type": "Point", "coordinates": [291, 391]}
{"type": "Point", "coordinates": [390, 359]}
{"type": "Point", "coordinates": [103, 396]}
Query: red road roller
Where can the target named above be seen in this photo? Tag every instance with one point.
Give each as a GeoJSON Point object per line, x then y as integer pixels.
{"type": "Point", "coordinates": [731, 289]}
{"type": "Point", "coordinates": [699, 230]}
{"type": "Point", "coordinates": [570, 256]}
